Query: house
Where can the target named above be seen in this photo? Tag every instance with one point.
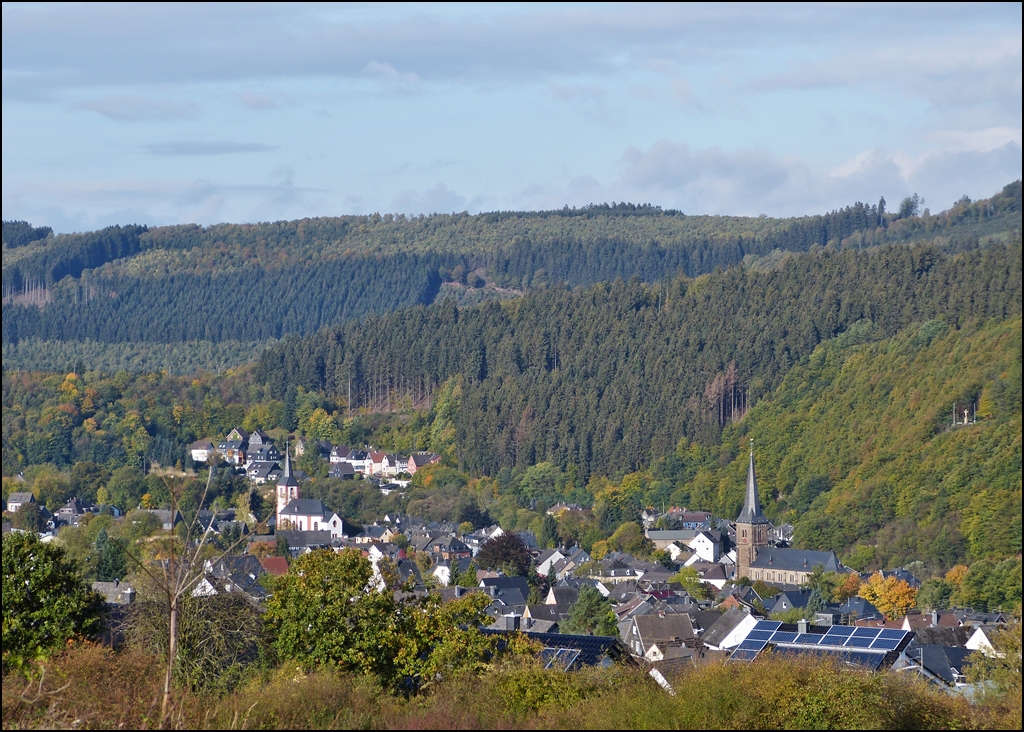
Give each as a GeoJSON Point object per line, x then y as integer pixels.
{"type": "Point", "coordinates": [339, 454]}
{"type": "Point", "coordinates": [916, 620]}
{"type": "Point", "coordinates": [115, 593]}
{"type": "Point", "coordinates": [857, 608]}
{"type": "Point", "coordinates": [781, 536]}
{"type": "Point", "coordinates": [450, 549]}
{"type": "Point", "coordinates": [72, 512]}
{"type": "Point", "coordinates": [420, 460]}
{"type": "Point", "coordinates": [547, 559]}
{"type": "Point", "coordinates": [982, 640]}
{"type": "Point", "coordinates": [560, 508]}
{"type": "Point", "coordinates": [202, 450]}
{"type": "Point", "coordinates": [572, 652]}
{"type": "Point", "coordinates": [309, 514]}
{"type": "Point", "coordinates": [793, 599]}
{"type": "Point", "coordinates": [233, 451]}
{"type": "Point", "coordinates": [377, 460]}
{"type": "Point", "coordinates": [871, 649]}
{"type": "Point", "coordinates": [262, 453]}
{"type": "Point", "coordinates": [302, 542]}
{"type": "Point", "coordinates": [679, 554]}
{"type": "Point", "coordinates": [512, 590]}
{"type": "Point", "coordinates": [16, 500]}
{"type": "Point", "coordinates": [442, 571]}
{"type": "Point", "coordinates": [666, 629]}
{"type": "Point", "coordinates": [562, 595]}
{"type": "Point", "coordinates": [342, 471]}
{"type": "Point", "coordinates": [707, 545]}
{"type": "Point", "coordinates": [233, 574]}
{"type": "Point", "coordinates": [360, 460]}
{"type": "Point", "coordinates": [729, 630]}
{"type": "Point", "coordinates": [943, 665]}
{"type": "Point", "coordinates": [393, 464]}
{"type": "Point", "coordinates": [259, 473]}
{"type": "Point", "coordinates": [168, 519]}
{"type": "Point", "coordinates": [275, 566]}
{"type": "Point", "coordinates": [662, 538]}
{"type": "Point", "coordinates": [378, 535]}
{"type": "Point", "coordinates": [238, 435]}
{"type": "Point", "coordinates": [259, 438]}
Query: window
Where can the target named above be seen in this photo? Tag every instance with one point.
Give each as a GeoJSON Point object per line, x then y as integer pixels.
{"type": "Point", "coordinates": [316, 526]}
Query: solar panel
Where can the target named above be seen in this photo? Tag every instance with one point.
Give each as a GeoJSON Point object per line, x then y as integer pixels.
{"type": "Point", "coordinates": [751, 645]}
{"type": "Point", "coordinates": [859, 642]}
{"type": "Point", "coordinates": [783, 636]}
{"type": "Point", "coordinates": [891, 633]}
{"type": "Point", "coordinates": [759, 635]}
{"type": "Point", "coordinates": [743, 656]}
{"type": "Point", "coordinates": [866, 632]}
{"type": "Point", "coordinates": [886, 644]}
{"type": "Point", "coordinates": [867, 660]}
{"type": "Point", "coordinates": [561, 658]}
{"type": "Point", "coordinates": [809, 639]}
{"type": "Point", "coordinates": [832, 640]}
{"type": "Point", "coordinates": [840, 630]}
{"type": "Point", "coordinates": [771, 625]}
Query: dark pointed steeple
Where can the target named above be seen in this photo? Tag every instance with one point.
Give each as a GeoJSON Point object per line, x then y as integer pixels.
{"type": "Point", "coordinates": [751, 513]}
{"type": "Point", "coordinates": [286, 477]}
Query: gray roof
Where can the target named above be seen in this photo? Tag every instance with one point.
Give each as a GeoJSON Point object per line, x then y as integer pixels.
{"type": "Point", "coordinates": [21, 497]}
{"type": "Point", "coordinates": [796, 560]}
{"type": "Point", "coordinates": [751, 513]}
{"type": "Point", "coordinates": [941, 661]}
{"type": "Point", "coordinates": [717, 633]}
{"type": "Point", "coordinates": [305, 507]}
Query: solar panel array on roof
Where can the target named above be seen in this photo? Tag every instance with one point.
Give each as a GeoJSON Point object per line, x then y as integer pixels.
{"type": "Point", "coordinates": [559, 658]}
{"type": "Point", "coordinates": [866, 647]}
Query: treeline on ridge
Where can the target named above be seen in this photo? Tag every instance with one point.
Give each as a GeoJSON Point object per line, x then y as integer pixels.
{"type": "Point", "coordinates": [609, 378]}
{"type": "Point", "coordinates": [259, 281]}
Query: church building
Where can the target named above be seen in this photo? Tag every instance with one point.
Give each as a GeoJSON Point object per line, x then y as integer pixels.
{"type": "Point", "coordinates": [756, 560]}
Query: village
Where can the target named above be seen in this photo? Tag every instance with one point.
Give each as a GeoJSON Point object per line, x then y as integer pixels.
{"type": "Point", "coordinates": [721, 588]}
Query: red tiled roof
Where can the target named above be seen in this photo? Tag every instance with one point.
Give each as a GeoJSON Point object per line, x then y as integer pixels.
{"type": "Point", "coordinates": [275, 565]}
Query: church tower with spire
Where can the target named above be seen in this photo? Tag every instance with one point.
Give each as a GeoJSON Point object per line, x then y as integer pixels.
{"type": "Point", "coordinates": [751, 525]}
{"type": "Point", "coordinates": [287, 486]}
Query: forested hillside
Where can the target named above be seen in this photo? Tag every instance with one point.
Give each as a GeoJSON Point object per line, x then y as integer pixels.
{"type": "Point", "coordinates": [176, 285]}
{"type": "Point", "coordinates": [856, 447]}
{"type": "Point", "coordinates": [609, 378]}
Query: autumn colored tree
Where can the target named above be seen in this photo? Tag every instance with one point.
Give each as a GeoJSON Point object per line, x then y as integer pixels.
{"type": "Point", "coordinates": [893, 597]}
{"type": "Point", "coordinates": [850, 587]}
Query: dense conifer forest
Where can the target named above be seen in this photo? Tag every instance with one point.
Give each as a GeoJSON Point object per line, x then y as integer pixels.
{"type": "Point", "coordinates": [253, 283]}
{"type": "Point", "coordinates": [610, 377]}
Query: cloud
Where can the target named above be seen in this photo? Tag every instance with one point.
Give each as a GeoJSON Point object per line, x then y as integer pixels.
{"type": "Point", "coordinates": [439, 199]}
{"type": "Point", "coordinates": [137, 109]}
{"type": "Point", "coordinates": [749, 182]}
{"type": "Point", "coordinates": [188, 148]}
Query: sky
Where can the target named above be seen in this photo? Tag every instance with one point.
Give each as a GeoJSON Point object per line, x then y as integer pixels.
{"type": "Point", "coordinates": [163, 114]}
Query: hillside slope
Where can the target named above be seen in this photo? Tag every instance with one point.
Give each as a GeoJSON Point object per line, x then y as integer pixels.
{"type": "Point", "coordinates": [856, 446]}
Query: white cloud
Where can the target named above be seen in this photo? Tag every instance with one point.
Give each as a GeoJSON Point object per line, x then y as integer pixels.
{"type": "Point", "coordinates": [749, 182]}
{"type": "Point", "coordinates": [439, 199]}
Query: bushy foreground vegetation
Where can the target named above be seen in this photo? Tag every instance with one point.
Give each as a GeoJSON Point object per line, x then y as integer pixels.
{"type": "Point", "coordinates": [92, 687]}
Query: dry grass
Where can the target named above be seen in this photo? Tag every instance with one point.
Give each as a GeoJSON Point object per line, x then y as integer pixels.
{"type": "Point", "coordinates": [91, 687]}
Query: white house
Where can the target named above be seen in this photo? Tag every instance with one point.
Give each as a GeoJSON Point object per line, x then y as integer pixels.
{"type": "Point", "coordinates": [201, 451]}
{"type": "Point", "coordinates": [706, 547]}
